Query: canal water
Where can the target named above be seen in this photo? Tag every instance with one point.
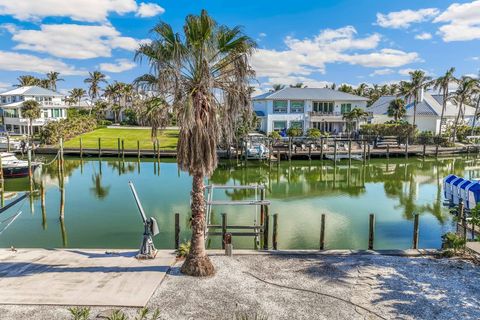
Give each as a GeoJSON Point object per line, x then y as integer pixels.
{"type": "Point", "coordinates": [99, 210]}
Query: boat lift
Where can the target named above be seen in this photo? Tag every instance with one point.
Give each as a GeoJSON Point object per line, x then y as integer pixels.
{"type": "Point", "coordinates": [259, 202]}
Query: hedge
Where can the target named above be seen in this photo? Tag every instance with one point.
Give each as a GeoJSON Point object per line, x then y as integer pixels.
{"type": "Point", "coordinates": [66, 129]}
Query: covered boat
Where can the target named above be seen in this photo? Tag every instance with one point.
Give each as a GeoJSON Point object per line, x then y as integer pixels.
{"type": "Point", "coordinates": [456, 190]}
{"type": "Point", "coordinates": [15, 168]}
{"type": "Point", "coordinates": [447, 186]}
{"type": "Point", "coordinates": [473, 196]}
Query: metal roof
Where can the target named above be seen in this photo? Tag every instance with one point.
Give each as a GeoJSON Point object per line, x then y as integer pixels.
{"type": "Point", "coordinates": [31, 91]}
{"type": "Point", "coordinates": [322, 94]}
{"type": "Point", "coordinates": [431, 105]}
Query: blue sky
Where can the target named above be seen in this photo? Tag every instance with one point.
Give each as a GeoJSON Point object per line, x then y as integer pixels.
{"type": "Point", "coordinates": [314, 42]}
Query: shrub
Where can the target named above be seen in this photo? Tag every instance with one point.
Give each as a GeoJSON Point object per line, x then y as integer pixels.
{"type": "Point", "coordinates": [274, 135]}
{"type": "Point", "coordinates": [294, 132]}
{"type": "Point", "coordinates": [183, 249]}
{"type": "Point", "coordinates": [66, 129]}
{"type": "Point", "coordinates": [453, 241]}
{"type": "Point", "coordinates": [314, 133]}
{"type": "Point", "coordinates": [104, 122]}
{"type": "Point", "coordinates": [425, 137]}
{"type": "Point", "coordinates": [401, 130]}
{"type": "Point", "coordinates": [79, 313]}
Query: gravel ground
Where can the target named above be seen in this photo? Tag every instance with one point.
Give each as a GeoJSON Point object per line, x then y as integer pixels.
{"type": "Point", "coordinates": [326, 287]}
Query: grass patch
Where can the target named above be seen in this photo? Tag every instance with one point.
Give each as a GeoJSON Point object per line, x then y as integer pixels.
{"type": "Point", "coordinates": [109, 137]}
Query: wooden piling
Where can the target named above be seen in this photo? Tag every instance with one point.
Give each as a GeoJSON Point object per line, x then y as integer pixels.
{"type": "Point", "coordinates": [406, 149]}
{"type": "Point", "coordinates": [262, 207]}
{"type": "Point", "coordinates": [81, 148]}
{"type": "Point", "coordinates": [275, 232]}
{"type": "Point", "coordinates": [350, 150]}
{"type": "Point", "coordinates": [463, 218]}
{"type": "Point", "coordinates": [321, 148]}
{"type": "Point", "coordinates": [158, 149]}
{"type": "Point", "coordinates": [123, 148]}
{"type": "Point", "coordinates": [388, 151]}
{"type": "Point", "coordinates": [99, 147]}
{"type": "Point", "coordinates": [138, 149]}
{"type": "Point", "coordinates": [118, 147]}
{"type": "Point", "coordinates": [290, 148]}
{"type": "Point", "coordinates": [177, 230]}
{"type": "Point", "coordinates": [224, 228]}
{"type": "Point", "coordinates": [322, 232]}
{"type": "Point", "coordinates": [335, 150]}
{"type": "Point", "coordinates": [364, 151]}
{"type": "Point", "coordinates": [154, 148]}
{"type": "Point", "coordinates": [368, 150]}
{"type": "Point", "coordinates": [310, 151]}
{"type": "Point", "coordinates": [265, 230]}
{"type": "Point", "coordinates": [415, 231]}
{"type": "Point", "coordinates": [371, 231]}
{"type": "Point", "coordinates": [8, 143]}
{"type": "Point", "coordinates": [424, 150]}
{"type": "Point", "coordinates": [278, 156]}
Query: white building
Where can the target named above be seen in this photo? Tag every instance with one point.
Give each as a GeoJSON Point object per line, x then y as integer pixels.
{"type": "Point", "coordinates": [429, 110]}
{"type": "Point", "coordinates": [306, 108]}
{"type": "Point", "coordinates": [52, 106]}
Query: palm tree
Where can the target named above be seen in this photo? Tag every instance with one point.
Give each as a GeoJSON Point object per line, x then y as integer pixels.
{"type": "Point", "coordinates": [361, 90]}
{"type": "Point", "coordinates": [466, 86]}
{"type": "Point", "coordinates": [52, 78]}
{"type": "Point", "coordinates": [441, 84]}
{"type": "Point", "coordinates": [94, 79]}
{"type": "Point", "coordinates": [345, 88]}
{"type": "Point", "coordinates": [476, 98]}
{"type": "Point", "coordinates": [27, 80]}
{"type": "Point", "coordinates": [31, 111]}
{"type": "Point", "coordinates": [156, 114]}
{"type": "Point", "coordinates": [354, 116]}
{"type": "Point", "coordinates": [396, 109]}
{"type": "Point", "coordinates": [208, 61]}
{"type": "Point", "coordinates": [297, 85]}
{"type": "Point", "coordinates": [76, 95]}
{"type": "Point", "coordinates": [418, 82]}
{"type": "Point", "coordinates": [277, 87]}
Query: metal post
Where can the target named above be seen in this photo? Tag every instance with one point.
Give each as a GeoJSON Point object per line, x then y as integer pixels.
{"type": "Point", "coordinates": [415, 232]}
{"type": "Point", "coordinates": [275, 232]}
{"type": "Point", "coordinates": [224, 228]}
{"type": "Point", "coordinates": [322, 232]}
{"type": "Point", "coordinates": [371, 231]}
{"type": "Point", "coordinates": [177, 230]}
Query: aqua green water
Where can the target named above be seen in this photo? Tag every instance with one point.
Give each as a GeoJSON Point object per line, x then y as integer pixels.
{"type": "Point", "coordinates": [100, 211]}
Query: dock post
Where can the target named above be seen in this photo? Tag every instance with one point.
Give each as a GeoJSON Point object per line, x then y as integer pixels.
{"type": "Point", "coordinates": [322, 232]}
{"type": "Point", "coordinates": [424, 150]}
{"type": "Point", "coordinates": [436, 148]}
{"type": "Point", "coordinates": [275, 232]}
{"type": "Point", "coordinates": [138, 149]}
{"type": "Point", "coordinates": [99, 147]}
{"type": "Point", "coordinates": [278, 156]}
{"type": "Point", "coordinates": [371, 231]}
{"type": "Point", "coordinates": [2, 182]}
{"type": "Point", "coordinates": [265, 230]}
{"type": "Point", "coordinates": [310, 151]}
{"type": "Point", "coordinates": [154, 149]}
{"type": "Point", "coordinates": [262, 207]}
{"type": "Point", "coordinates": [81, 148]}
{"type": "Point", "coordinates": [335, 150]}
{"type": "Point", "coordinates": [118, 147]}
{"type": "Point", "coordinates": [388, 151]}
{"type": "Point", "coordinates": [368, 149]}
{"type": "Point", "coordinates": [177, 230]}
{"type": "Point", "coordinates": [406, 149]}
{"type": "Point", "coordinates": [364, 151]}
{"type": "Point", "coordinates": [158, 149]}
{"type": "Point", "coordinates": [224, 228]}
{"type": "Point", "coordinates": [123, 148]}
{"type": "Point", "coordinates": [8, 143]}
{"type": "Point", "coordinates": [462, 217]}
{"type": "Point", "coordinates": [290, 148]}
{"type": "Point", "coordinates": [415, 231]}
{"type": "Point", "coordinates": [321, 148]}
{"type": "Point", "coordinates": [350, 151]}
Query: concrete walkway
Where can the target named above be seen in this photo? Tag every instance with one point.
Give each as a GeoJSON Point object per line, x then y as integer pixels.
{"type": "Point", "coordinates": [80, 277]}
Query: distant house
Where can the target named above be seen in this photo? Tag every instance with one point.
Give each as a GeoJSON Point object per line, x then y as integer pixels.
{"type": "Point", "coordinates": [52, 106]}
{"type": "Point", "coordinates": [429, 110]}
{"type": "Point", "coordinates": [305, 108]}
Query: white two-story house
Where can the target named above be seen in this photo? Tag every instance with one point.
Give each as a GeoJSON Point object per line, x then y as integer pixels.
{"type": "Point", "coordinates": [52, 106]}
{"type": "Point", "coordinates": [305, 108]}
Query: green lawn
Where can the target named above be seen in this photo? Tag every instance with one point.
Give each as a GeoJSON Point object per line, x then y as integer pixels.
{"type": "Point", "coordinates": [109, 139]}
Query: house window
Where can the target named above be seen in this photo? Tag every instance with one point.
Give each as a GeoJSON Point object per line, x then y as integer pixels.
{"type": "Point", "coordinates": [323, 106]}
{"type": "Point", "coordinates": [297, 106]}
{"type": "Point", "coordinates": [296, 124]}
{"type": "Point", "coordinates": [279, 125]}
{"type": "Point", "coordinates": [346, 107]}
{"type": "Point", "coordinates": [280, 106]}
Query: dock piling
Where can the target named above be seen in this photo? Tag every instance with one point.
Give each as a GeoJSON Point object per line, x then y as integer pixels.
{"type": "Point", "coordinates": [388, 151]}
{"type": "Point", "coordinates": [275, 232]}
{"type": "Point", "coordinates": [322, 232]}
{"type": "Point", "coordinates": [99, 147]}
{"type": "Point", "coordinates": [424, 150]}
{"type": "Point", "coordinates": [177, 230]}
{"type": "Point", "coordinates": [335, 150]}
{"type": "Point", "coordinates": [138, 149]}
{"type": "Point", "coordinates": [415, 231]}
{"type": "Point", "coordinates": [118, 147]}
{"type": "Point", "coordinates": [224, 228]}
{"type": "Point", "coordinates": [265, 230]}
{"type": "Point", "coordinates": [371, 231]}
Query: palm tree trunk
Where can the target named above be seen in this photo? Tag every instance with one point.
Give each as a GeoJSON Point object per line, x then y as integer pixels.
{"type": "Point", "coordinates": [454, 135]}
{"type": "Point", "coordinates": [475, 116]}
{"type": "Point", "coordinates": [444, 106]}
{"type": "Point", "coordinates": [197, 262]}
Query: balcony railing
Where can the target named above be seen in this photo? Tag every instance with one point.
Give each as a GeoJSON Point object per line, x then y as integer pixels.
{"type": "Point", "coordinates": [323, 114]}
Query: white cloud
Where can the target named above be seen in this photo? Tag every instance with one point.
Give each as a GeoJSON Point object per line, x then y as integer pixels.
{"type": "Point", "coordinates": [73, 41]}
{"type": "Point", "coordinates": [462, 22]}
{"type": "Point", "coordinates": [80, 10]}
{"type": "Point", "coordinates": [262, 34]}
{"type": "Point", "coordinates": [12, 61]}
{"type": "Point", "coordinates": [404, 18]}
{"type": "Point", "coordinates": [147, 10]}
{"type": "Point", "coordinates": [4, 86]}
{"type": "Point", "coordinates": [381, 72]}
{"type": "Point", "coordinates": [304, 57]}
{"type": "Point", "coordinates": [423, 36]}
{"type": "Point", "coordinates": [120, 66]}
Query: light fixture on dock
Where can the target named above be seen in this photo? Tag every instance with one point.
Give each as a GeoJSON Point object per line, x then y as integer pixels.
{"type": "Point", "coordinates": [147, 249]}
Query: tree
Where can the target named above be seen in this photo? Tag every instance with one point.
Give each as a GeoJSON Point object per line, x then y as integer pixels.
{"type": "Point", "coordinates": [277, 87]}
{"type": "Point", "coordinates": [345, 88]}
{"type": "Point", "coordinates": [94, 80]}
{"type": "Point", "coordinates": [27, 80]}
{"type": "Point", "coordinates": [476, 98]}
{"type": "Point", "coordinates": [297, 85]}
{"type": "Point", "coordinates": [31, 111]}
{"type": "Point", "coordinates": [396, 109]}
{"type": "Point", "coordinates": [354, 116]}
{"type": "Point", "coordinates": [441, 84]}
{"type": "Point", "coordinates": [466, 86]}
{"type": "Point", "coordinates": [76, 94]}
{"type": "Point", "coordinates": [411, 90]}
{"type": "Point", "coordinates": [314, 133]}
{"type": "Point", "coordinates": [206, 62]}
{"type": "Point", "coordinates": [52, 79]}
{"type": "Point", "coordinates": [156, 114]}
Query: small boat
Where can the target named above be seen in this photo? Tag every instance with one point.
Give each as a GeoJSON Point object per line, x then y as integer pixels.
{"type": "Point", "coordinates": [14, 144]}
{"type": "Point", "coordinates": [255, 147]}
{"type": "Point", "coordinates": [15, 168]}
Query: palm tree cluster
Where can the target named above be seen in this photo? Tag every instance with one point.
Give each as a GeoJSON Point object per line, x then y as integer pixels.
{"type": "Point", "coordinates": [49, 82]}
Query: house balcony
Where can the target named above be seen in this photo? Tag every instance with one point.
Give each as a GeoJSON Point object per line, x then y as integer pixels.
{"type": "Point", "coordinates": [317, 116]}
